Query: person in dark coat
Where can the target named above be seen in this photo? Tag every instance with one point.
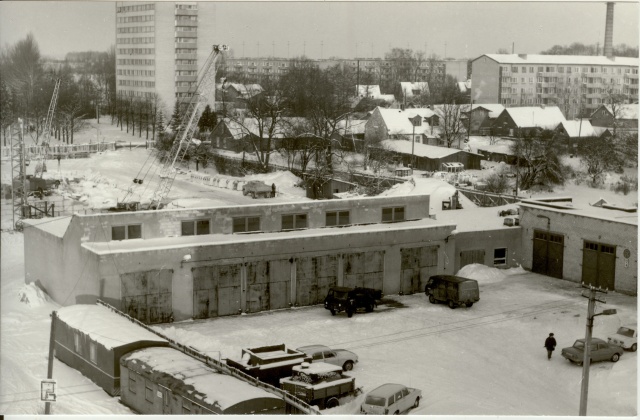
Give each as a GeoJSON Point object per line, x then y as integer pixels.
{"type": "Point", "coordinates": [550, 344]}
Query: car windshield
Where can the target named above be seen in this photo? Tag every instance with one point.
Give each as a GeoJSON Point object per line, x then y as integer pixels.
{"type": "Point", "coordinates": [340, 295]}
{"type": "Point", "coordinates": [579, 344]}
{"type": "Point", "coordinates": [627, 332]}
{"type": "Point", "coordinates": [379, 401]}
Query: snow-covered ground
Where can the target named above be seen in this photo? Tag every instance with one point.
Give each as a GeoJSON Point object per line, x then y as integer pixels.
{"type": "Point", "coordinates": [484, 360]}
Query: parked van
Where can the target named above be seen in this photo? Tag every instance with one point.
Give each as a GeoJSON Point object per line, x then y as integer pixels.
{"type": "Point", "coordinates": [454, 290]}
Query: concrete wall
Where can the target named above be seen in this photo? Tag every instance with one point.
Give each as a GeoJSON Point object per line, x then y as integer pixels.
{"type": "Point", "coordinates": [165, 55]}
{"type": "Point", "coordinates": [489, 240]}
{"type": "Point", "coordinates": [576, 229]}
{"type": "Point", "coordinates": [485, 74]}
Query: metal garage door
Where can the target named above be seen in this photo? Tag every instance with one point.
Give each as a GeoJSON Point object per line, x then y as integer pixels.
{"type": "Point", "coordinates": [364, 269]}
{"type": "Point", "coordinates": [548, 253]}
{"type": "Point", "coordinates": [417, 265]}
{"type": "Point", "coordinates": [473, 256]}
{"type": "Point", "coordinates": [146, 295]}
{"type": "Point", "coordinates": [268, 285]}
{"type": "Point", "coordinates": [599, 265]}
{"type": "Point", "coordinates": [314, 277]}
{"type": "Point", "coordinates": [216, 290]}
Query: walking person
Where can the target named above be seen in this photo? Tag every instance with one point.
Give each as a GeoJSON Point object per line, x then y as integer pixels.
{"type": "Point", "coordinates": [550, 344]}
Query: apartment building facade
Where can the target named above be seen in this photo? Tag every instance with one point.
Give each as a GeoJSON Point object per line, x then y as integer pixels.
{"type": "Point", "coordinates": [160, 47]}
{"type": "Point", "coordinates": [576, 84]}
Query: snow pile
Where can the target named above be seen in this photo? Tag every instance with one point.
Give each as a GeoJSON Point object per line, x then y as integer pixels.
{"type": "Point", "coordinates": [32, 295]}
{"type": "Point", "coordinates": [286, 182]}
{"type": "Point", "coordinates": [437, 189]}
{"type": "Point", "coordinates": [486, 275]}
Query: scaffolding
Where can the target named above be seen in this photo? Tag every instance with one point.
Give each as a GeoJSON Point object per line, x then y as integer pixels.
{"type": "Point", "coordinates": [19, 192]}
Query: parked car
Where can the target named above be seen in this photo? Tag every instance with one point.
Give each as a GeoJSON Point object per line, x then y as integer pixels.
{"type": "Point", "coordinates": [626, 337]}
{"type": "Point", "coordinates": [454, 290]}
{"type": "Point", "coordinates": [391, 399]}
{"type": "Point", "coordinates": [350, 299]}
{"type": "Point", "coordinates": [600, 350]}
{"type": "Point", "coordinates": [339, 357]}
{"type": "Point", "coordinates": [257, 189]}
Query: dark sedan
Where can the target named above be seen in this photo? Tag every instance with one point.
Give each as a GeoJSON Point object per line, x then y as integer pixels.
{"type": "Point", "coordinates": [600, 350]}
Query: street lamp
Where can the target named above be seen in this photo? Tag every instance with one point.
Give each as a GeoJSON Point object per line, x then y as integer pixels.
{"type": "Point", "coordinates": [586, 361]}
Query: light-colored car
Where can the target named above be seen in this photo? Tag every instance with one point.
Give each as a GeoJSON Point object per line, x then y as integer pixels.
{"type": "Point", "coordinates": [339, 357]}
{"type": "Point", "coordinates": [391, 399]}
{"type": "Point", "coordinates": [600, 350]}
{"type": "Point", "coordinates": [626, 337]}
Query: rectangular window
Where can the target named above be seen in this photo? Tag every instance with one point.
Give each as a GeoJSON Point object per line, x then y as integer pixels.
{"type": "Point", "coordinates": [195, 227]}
{"type": "Point", "coordinates": [514, 69]}
{"type": "Point", "coordinates": [132, 383]}
{"type": "Point", "coordinates": [93, 352]}
{"type": "Point", "coordinates": [294, 221]}
{"type": "Point", "coordinates": [500, 256]}
{"type": "Point", "coordinates": [77, 344]}
{"type": "Point", "coordinates": [393, 214]}
{"type": "Point", "coordinates": [524, 69]}
{"type": "Point", "coordinates": [148, 391]}
{"type": "Point", "coordinates": [337, 218]}
{"type": "Point", "coordinates": [246, 224]}
{"type": "Point", "coordinates": [120, 233]}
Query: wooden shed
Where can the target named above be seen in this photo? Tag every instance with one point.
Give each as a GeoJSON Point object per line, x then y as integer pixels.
{"type": "Point", "coordinates": [166, 381]}
{"type": "Point", "coordinates": [92, 338]}
{"type": "Point", "coordinates": [429, 158]}
{"type": "Point", "coordinates": [269, 363]}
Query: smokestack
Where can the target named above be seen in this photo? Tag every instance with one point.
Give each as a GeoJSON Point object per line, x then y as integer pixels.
{"type": "Point", "coordinates": [608, 32]}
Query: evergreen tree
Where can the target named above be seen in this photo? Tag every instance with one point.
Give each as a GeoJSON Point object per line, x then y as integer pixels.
{"type": "Point", "coordinates": [176, 118]}
{"type": "Point", "coordinates": [208, 120]}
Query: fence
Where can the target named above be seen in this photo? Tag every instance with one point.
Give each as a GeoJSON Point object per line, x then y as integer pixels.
{"type": "Point", "coordinates": [217, 181]}
{"type": "Point", "coordinates": [63, 150]}
{"type": "Point", "coordinates": [487, 199]}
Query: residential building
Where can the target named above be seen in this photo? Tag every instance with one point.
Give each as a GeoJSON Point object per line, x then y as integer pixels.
{"type": "Point", "coordinates": [573, 83]}
{"type": "Point", "coordinates": [624, 117]}
{"type": "Point", "coordinates": [161, 46]}
{"type": "Point", "coordinates": [387, 123]}
{"type": "Point", "coordinates": [483, 116]}
{"type": "Point", "coordinates": [520, 121]}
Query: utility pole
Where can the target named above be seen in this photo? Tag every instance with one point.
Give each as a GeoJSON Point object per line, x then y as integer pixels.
{"type": "Point", "coordinates": [47, 405]}
{"type": "Point", "coordinates": [586, 361]}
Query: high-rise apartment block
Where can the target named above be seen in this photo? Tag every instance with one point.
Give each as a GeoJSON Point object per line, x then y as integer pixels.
{"type": "Point", "coordinates": [160, 46]}
{"type": "Point", "coordinates": [576, 84]}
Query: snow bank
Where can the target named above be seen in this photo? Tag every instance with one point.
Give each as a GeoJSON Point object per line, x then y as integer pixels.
{"type": "Point", "coordinates": [32, 295]}
{"type": "Point", "coordinates": [486, 275]}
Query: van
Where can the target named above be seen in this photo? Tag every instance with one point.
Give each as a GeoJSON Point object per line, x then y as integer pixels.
{"type": "Point", "coordinates": [454, 290]}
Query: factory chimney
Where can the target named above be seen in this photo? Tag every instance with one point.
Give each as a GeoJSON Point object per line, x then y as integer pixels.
{"type": "Point", "coordinates": [608, 32]}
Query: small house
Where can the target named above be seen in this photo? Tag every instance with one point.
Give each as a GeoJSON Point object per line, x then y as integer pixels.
{"type": "Point", "coordinates": [430, 158]}
{"type": "Point", "coordinates": [269, 363]}
{"type": "Point", "coordinates": [166, 381]}
{"type": "Point", "coordinates": [482, 118]}
{"type": "Point", "coordinates": [92, 338]}
{"type": "Point", "coordinates": [513, 122]}
{"type": "Point", "coordinates": [623, 117]}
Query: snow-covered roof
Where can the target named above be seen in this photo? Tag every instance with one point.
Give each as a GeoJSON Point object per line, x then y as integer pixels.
{"type": "Point", "coordinates": [218, 389]}
{"type": "Point", "coordinates": [56, 226]}
{"type": "Point", "coordinates": [534, 116]}
{"type": "Point", "coordinates": [598, 60]}
{"type": "Point", "coordinates": [407, 88]}
{"type": "Point", "coordinates": [368, 91]}
{"type": "Point", "coordinates": [475, 219]}
{"type": "Point", "coordinates": [577, 128]}
{"type": "Point", "coordinates": [464, 86]}
{"type": "Point", "coordinates": [105, 326]}
{"type": "Point", "coordinates": [250, 125]}
{"type": "Point", "coordinates": [625, 112]}
{"type": "Point", "coordinates": [398, 121]}
{"type": "Point", "coordinates": [494, 109]}
{"type": "Point", "coordinates": [586, 209]}
{"type": "Point", "coordinates": [353, 127]}
{"type": "Point", "coordinates": [425, 150]}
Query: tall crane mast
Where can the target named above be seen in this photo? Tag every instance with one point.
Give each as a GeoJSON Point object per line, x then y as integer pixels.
{"type": "Point", "coordinates": [40, 166]}
{"type": "Point", "coordinates": [189, 122]}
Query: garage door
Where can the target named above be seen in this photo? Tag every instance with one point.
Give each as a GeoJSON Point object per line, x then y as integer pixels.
{"type": "Point", "coordinates": [417, 265]}
{"type": "Point", "coordinates": [268, 285]}
{"type": "Point", "coordinates": [599, 265]}
{"type": "Point", "coordinates": [548, 253]}
{"type": "Point", "coordinates": [146, 295]}
{"type": "Point", "coordinates": [314, 277]}
{"type": "Point", "coordinates": [364, 269]}
{"type": "Point", "coordinates": [216, 290]}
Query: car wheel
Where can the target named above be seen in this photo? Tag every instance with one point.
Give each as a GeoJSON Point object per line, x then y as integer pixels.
{"type": "Point", "coordinates": [470, 304]}
{"type": "Point", "coordinates": [369, 307]}
{"type": "Point", "coordinates": [332, 402]}
{"type": "Point", "coordinates": [634, 347]}
{"type": "Point", "coordinates": [615, 357]}
{"type": "Point", "coordinates": [333, 311]}
{"type": "Point", "coordinates": [417, 403]}
{"type": "Point", "coordinates": [348, 365]}
{"type": "Point", "coordinates": [451, 304]}
{"type": "Point", "coordinates": [432, 299]}
{"type": "Point", "coordinates": [396, 413]}
{"type": "Point", "coordinates": [579, 363]}
{"type": "Point", "coordinates": [349, 313]}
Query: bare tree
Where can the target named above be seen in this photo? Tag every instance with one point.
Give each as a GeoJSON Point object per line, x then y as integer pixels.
{"type": "Point", "coordinates": [452, 127]}
{"type": "Point", "coordinates": [597, 156]}
{"type": "Point", "coordinates": [538, 161]}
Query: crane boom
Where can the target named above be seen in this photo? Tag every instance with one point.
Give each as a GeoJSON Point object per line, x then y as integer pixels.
{"type": "Point", "coordinates": [41, 165]}
{"type": "Point", "coordinates": [188, 125]}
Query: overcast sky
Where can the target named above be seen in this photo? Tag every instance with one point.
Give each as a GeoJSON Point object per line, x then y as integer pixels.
{"type": "Point", "coordinates": [342, 29]}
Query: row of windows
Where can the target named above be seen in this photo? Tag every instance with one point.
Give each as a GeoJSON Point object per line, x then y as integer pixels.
{"type": "Point", "coordinates": [186, 6]}
{"type": "Point", "coordinates": [138, 40]}
{"type": "Point", "coordinates": [186, 73]}
{"type": "Point", "coordinates": [127, 72]}
{"type": "Point", "coordinates": [137, 83]}
{"type": "Point", "coordinates": [135, 93]}
{"type": "Point", "coordinates": [185, 62]}
{"type": "Point", "coordinates": [186, 29]}
{"type": "Point", "coordinates": [130, 19]}
{"type": "Point", "coordinates": [136, 29]}
{"type": "Point", "coordinates": [186, 51]}
{"type": "Point", "coordinates": [592, 80]}
{"type": "Point", "coordinates": [136, 51]}
{"type": "Point", "coordinates": [567, 69]}
{"type": "Point", "coordinates": [136, 61]}
{"type": "Point", "coordinates": [180, 39]}
{"type": "Point", "coordinates": [252, 223]}
{"type": "Point", "coordinates": [183, 18]}
{"type": "Point", "coordinates": [136, 8]}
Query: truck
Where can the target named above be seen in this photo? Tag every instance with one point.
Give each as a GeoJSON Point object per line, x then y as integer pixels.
{"type": "Point", "coordinates": [269, 363]}
{"type": "Point", "coordinates": [38, 186]}
{"type": "Point", "coordinates": [320, 384]}
{"type": "Point", "coordinates": [257, 189]}
{"type": "Point", "coordinates": [350, 299]}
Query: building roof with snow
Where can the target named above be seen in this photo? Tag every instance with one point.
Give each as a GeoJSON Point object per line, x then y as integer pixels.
{"type": "Point", "coordinates": [625, 111]}
{"type": "Point", "coordinates": [527, 59]}
{"type": "Point", "coordinates": [409, 89]}
{"type": "Point", "coordinates": [405, 146]}
{"type": "Point", "coordinates": [494, 109]}
{"type": "Point", "coordinates": [368, 91]}
{"type": "Point", "coordinates": [577, 128]}
{"type": "Point", "coordinates": [398, 121]}
{"type": "Point", "coordinates": [534, 116]}
{"type": "Point", "coordinates": [105, 326]}
{"type": "Point", "coordinates": [348, 127]}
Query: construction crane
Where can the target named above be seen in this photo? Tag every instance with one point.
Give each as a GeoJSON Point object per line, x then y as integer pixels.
{"type": "Point", "coordinates": [188, 124]}
{"type": "Point", "coordinates": [41, 166]}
